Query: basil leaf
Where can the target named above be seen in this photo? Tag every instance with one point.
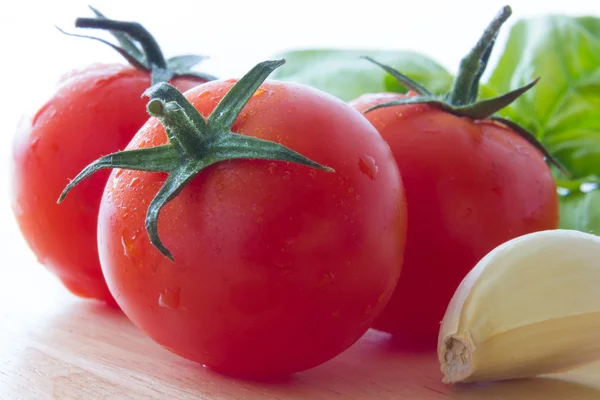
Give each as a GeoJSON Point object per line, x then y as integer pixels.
{"type": "Point", "coordinates": [581, 211]}
{"type": "Point", "coordinates": [563, 109]}
{"type": "Point", "coordinates": [343, 73]}
{"type": "Point", "coordinates": [436, 82]}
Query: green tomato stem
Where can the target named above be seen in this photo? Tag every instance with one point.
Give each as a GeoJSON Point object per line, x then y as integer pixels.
{"type": "Point", "coordinates": [194, 143]}
{"type": "Point", "coordinates": [125, 41]}
{"type": "Point", "coordinates": [141, 49]}
{"type": "Point", "coordinates": [152, 51]}
{"type": "Point", "coordinates": [473, 65]}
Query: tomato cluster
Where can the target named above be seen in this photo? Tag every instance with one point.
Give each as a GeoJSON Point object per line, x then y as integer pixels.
{"type": "Point", "coordinates": [261, 227]}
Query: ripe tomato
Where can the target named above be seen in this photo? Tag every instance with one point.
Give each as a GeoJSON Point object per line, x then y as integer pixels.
{"type": "Point", "coordinates": [470, 186]}
{"type": "Point", "coordinates": [473, 180]}
{"type": "Point", "coordinates": [277, 267]}
{"type": "Point", "coordinates": [94, 111]}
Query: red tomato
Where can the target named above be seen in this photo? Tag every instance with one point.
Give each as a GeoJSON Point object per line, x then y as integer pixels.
{"type": "Point", "coordinates": [470, 186]}
{"type": "Point", "coordinates": [278, 266]}
{"type": "Point", "coordinates": [94, 111]}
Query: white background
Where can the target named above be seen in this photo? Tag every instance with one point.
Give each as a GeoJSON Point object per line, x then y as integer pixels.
{"type": "Point", "coordinates": [236, 35]}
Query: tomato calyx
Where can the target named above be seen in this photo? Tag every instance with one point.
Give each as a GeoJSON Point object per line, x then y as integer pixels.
{"type": "Point", "coordinates": [195, 143]}
{"type": "Point", "coordinates": [462, 98]}
{"type": "Point", "coordinates": [141, 49]}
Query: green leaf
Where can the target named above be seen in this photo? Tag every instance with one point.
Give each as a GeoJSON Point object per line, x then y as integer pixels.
{"type": "Point", "coordinates": [343, 73]}
{"type": "Point", "coordinates": [436, 82]}
{"type": "Point", "coordinates": [563, 109]}
{"type": "Point", "coordinates": [402, 79]}
{"type": "Point", "coordinates": [591, 24]}
{"type": "Point", "coordinates": [581, 211]}
{"type": "Point", "coordinates": [487, 92]}
{"type": "Point", "coordinates": [575, 185]}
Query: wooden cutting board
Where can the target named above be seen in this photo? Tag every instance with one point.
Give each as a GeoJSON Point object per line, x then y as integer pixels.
{"type": "Point", "coordinates": [54, 346]}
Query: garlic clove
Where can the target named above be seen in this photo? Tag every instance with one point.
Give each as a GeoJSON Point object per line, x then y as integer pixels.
{"type": "Point", "coordinates": [529, 307]}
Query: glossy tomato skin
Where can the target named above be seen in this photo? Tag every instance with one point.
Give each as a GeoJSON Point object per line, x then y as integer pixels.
{"type": "Point", "coordinates": [278, 266]}
{"type": "Point", "coordinates": [94, 111]}
{"type": "Point", "coordinates": [470, 186]}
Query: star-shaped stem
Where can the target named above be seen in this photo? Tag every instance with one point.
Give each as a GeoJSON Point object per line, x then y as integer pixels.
{"type": "Point", "coordinates": [462, 98]}
{"type": "Point", "coordinates": [141, 49]}
{"type": "Point", "coordinates": [195, 143]}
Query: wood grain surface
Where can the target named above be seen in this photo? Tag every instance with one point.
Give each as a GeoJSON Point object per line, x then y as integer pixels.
{"type": "Point", "coordinates": [55, 346]}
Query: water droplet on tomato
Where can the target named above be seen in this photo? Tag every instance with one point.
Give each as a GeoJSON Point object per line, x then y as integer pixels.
{"type": "Point", "coordinates": [125, 247]}
{"type": "Point", "coordinates": [205, 93]}
{"type": "Point", "coordinates": [358, 197]}
{"type": "Point", "coordinates": [272, 168]}
{"type": "Point", "coordinates": [35, 143]}
{"type": "Point", "coordinates": [134, 182]}
{"type": "Point", "coordinates": [326, 279]}
{"type": "Point", "coordinates": [286, 176]}
{"type": "Point", "coordinates": [169, 298]}
{"type": "Point", "coordinates": [312, 173]}
{"type": "Point", "coordinates": [142, 144]}
{"type": "Point", "coordinates": [367, 166]}
{"type": "Point", "coordinates": [128, 243]}
{"type": "Point", "coordinates": [119, 172]}
{"type": "Point", "coordinates": [258, 92]}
